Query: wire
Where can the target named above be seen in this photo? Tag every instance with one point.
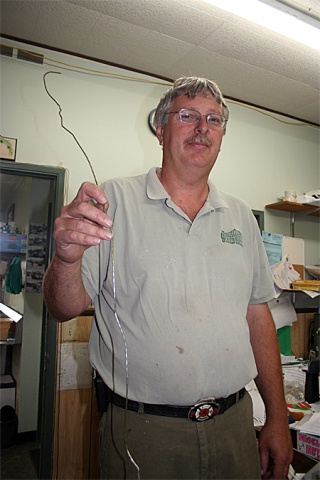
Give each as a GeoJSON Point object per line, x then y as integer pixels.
{"type": "Point", "coordinates": [65, 128]}
{"type": "Point", "coordinates": [126, 361]}
{"type": "Point", "coordinates": [256, 109]}
{"type": "Point", "coordinates": [100, 282]}
{"type": "Point", "coordinates": [89, 71]}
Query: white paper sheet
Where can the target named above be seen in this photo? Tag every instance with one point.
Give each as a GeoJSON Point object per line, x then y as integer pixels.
{"type": "Point", "coordinates": [75, 369]}
{"type": "Point", "coordinates": [309, 424]}
{"type": "Point", "coordinates": [295, 375]}
{"type": "Point", "coordinates": [259, 411]}
{"type": "Point", "coordinates": [282, 311]}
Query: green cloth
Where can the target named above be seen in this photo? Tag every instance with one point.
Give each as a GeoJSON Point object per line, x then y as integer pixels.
{"type": "Point", "coordinates": [284, 341]}
{"type": "Point", "coordinates": [14, 277]}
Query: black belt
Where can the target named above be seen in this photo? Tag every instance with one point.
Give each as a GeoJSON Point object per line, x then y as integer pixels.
{"type": "Point", "coordinates": [200, 411]}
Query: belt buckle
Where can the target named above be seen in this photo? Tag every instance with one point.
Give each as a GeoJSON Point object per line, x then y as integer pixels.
{"type": "Point", "coordinates": [203, 410]}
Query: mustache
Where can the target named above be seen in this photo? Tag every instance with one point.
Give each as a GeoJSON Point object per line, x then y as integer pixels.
{"type": "Point", "coordinates": [199, 139]}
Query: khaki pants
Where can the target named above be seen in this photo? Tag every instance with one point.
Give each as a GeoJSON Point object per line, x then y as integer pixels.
{"type": "Point", "coordinates": [173, 448]}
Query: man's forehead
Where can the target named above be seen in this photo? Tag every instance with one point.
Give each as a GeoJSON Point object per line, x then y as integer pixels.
{"type": "Point", "coordinates": [185, 101]}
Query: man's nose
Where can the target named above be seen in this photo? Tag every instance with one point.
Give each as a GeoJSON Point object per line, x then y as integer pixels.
{"type": "Point", "coordinates": [202, 125]}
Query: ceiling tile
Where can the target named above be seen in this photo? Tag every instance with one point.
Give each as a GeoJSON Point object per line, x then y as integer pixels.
{"type": "Point", "coordinates": [114, 41]}
{"type": "Point", "coordinates": [242, 81]}
{"type": "Point", "coordinates": [235, 40]}
{"type": "Point", "coordinates": [14, 14]}
{"type": "Point", "coordinates": [62, 24]}
{"type": "Point", "coordinates": [168, 17]}
{"type": "Point", "coordinates": [146, 58]}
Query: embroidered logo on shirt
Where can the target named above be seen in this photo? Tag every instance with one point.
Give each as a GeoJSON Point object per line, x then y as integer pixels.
{"type": "Point", "coordinates": [233, 237]}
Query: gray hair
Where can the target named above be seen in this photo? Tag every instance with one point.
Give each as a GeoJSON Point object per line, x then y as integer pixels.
{"type": "Point", "coordinates": [190, 86]}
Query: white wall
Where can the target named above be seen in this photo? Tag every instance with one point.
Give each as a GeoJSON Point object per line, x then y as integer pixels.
{"type": "Point", "coordinates": [260, 158]}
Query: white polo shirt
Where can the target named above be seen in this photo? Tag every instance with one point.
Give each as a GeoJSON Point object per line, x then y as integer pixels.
{"type": "Point", "coordinates": [182, 290]}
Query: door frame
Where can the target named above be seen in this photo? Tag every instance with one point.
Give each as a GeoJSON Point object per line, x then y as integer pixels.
{"type": "Point", "coordinates": [48, 374]}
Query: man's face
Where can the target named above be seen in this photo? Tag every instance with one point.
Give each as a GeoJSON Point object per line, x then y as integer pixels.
{"type": "Point", "coordinates": [191, 145]}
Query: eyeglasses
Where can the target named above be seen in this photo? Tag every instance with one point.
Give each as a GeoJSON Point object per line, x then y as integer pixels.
{"type": "Point", "coordinates": [192, 117]}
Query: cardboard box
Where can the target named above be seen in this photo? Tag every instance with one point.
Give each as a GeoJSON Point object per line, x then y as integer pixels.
{"type": "Point", "coordinates": [309, 444]}
{"type": "Point", "coordinates": [5, 324]}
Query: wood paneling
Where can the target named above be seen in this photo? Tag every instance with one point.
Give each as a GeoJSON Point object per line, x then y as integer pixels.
{"type": "Point", "coordinates": [76, 439]}
{"type": "Point", "coordinates": [72, 455]}
{"type": "Point", "coordinates": [76, 330]}
{"type": "Point", "coordinates": [300, 334]}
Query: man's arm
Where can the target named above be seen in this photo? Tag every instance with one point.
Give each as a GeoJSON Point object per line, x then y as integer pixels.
{"type": "Point", "coordinates": [64, 292]}
{"type": "Point", "coordinates": [275, 440]}
{"type": "Point", "coordinates": [79, 226]}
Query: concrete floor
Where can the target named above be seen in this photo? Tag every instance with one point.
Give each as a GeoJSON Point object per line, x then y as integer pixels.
{"type": "Point", "coordinates": [19, 461]}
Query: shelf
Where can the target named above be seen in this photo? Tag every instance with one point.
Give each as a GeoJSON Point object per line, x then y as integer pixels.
{"type": "Point", "coordinates": [295, 207]}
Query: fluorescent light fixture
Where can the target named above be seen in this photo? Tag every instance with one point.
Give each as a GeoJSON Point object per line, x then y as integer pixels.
{"type": "Point", "coordinates": [13, 314]}
{"type": "Point", "coordinates": [279, 21]}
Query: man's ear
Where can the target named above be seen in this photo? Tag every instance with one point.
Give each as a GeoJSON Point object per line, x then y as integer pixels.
{"type": "Point", "coordinates": [159, 133]}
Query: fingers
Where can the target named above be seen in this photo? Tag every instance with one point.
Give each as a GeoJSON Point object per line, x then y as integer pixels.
{"type": "Point", "coordinates": [80, 232]}
{"type": "Point", "coordinates": [89, 205]}
{"type": "Point", "coordinates": [86, 212]}
{"type": "Point", "coordinates": [275, 462]}
{"type": "Point", "coordinates": [82, 223]}
{"type": "Point", "coordinates": [89, 191]}
{"type": "Point", "coordinates": [264, 460]}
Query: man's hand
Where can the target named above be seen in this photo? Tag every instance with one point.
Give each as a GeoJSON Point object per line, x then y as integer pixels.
{"type": "Point", "coordinates": [276, 452]}
{"type": "Point", "coordinates": [82, 224]}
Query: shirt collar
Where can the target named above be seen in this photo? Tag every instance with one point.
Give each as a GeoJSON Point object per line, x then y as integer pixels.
{"type": "Point", "coordinates": [156, 191]}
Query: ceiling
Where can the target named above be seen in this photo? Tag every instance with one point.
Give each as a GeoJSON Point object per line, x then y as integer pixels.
{"type": "Point", "coordinates": [170, 38]}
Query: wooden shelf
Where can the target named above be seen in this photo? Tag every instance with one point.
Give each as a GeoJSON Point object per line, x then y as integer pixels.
{"type": "Point", "coordinates": [295, 207]}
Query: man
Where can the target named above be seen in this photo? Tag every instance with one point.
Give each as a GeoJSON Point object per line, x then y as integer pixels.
{"type": "Point", "coordinates": [181, 319]}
